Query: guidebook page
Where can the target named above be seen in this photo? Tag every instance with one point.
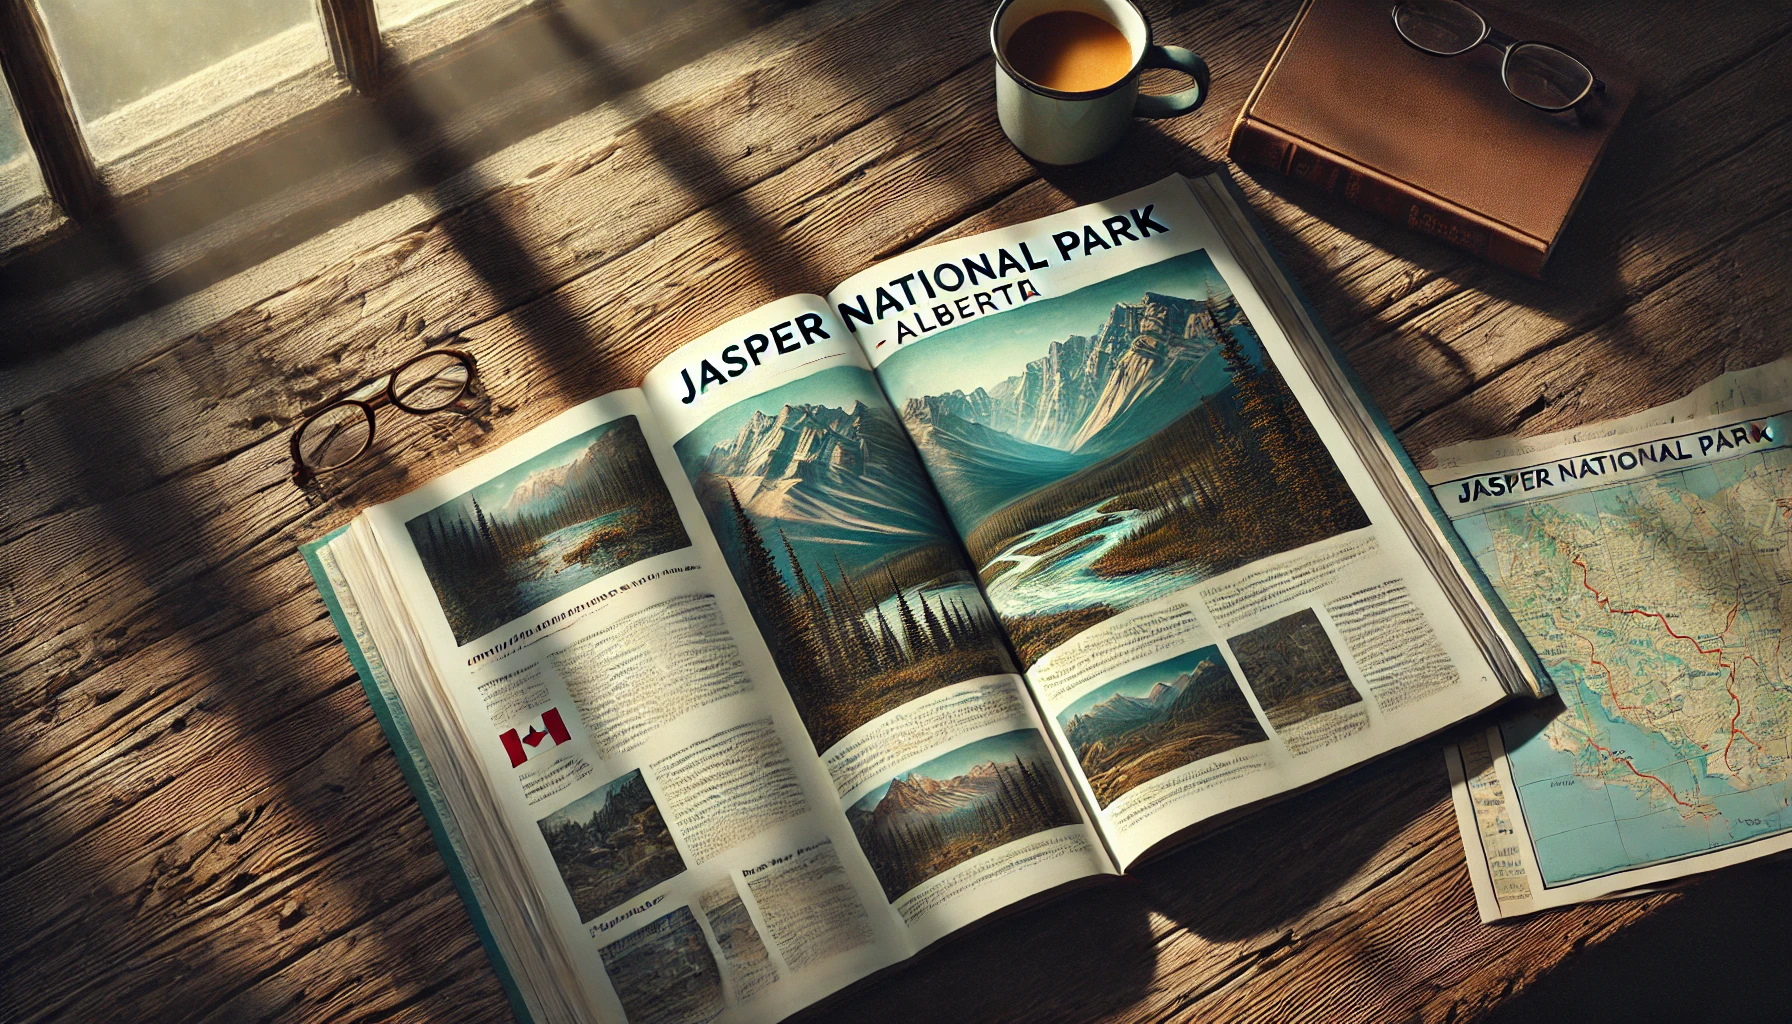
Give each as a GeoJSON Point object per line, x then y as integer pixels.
{"type": "Point", "coordinates": [1647, 563]}
{"type": "Point", "coordinates": [860, 588]}
{"type": "Point", "coordinates": [1213, 602]}
{"type": "Point", "coordinates": [688, 853]}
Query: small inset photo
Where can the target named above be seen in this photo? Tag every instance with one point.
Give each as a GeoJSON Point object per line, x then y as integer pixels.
{"type": "Point", "coordinates": [665, 972]}
{"type": "Point", "coordinates": [1155, 720]}
{"type": "Point", "coordinates": [580, 510]}
{"type": "Point", "coordinates": [968, 802]}
{"type": "Point", "coordinates": [610, 845]}
{"type": "Point", "coordinates": [1292, 667]}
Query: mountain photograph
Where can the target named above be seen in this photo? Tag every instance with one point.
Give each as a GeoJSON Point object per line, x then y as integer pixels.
{"type": "Point", "coordinates": [610, 845]}
{"type": "Point", "coordinates": [1105, 448]}
{"type": "Point", "coordinates": [1153, 721]}
{"type": "Point", "coordinates": [846, 559]}
{"type": "Point", "coordinates": [976, 799]}
{"type": "Point", "coordinates": [578, 511]}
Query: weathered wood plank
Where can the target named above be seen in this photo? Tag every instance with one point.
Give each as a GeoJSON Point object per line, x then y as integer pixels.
{"type": "Point", "coordinates": [1720, 315]}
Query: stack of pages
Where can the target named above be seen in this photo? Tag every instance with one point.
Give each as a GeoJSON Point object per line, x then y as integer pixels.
{"type": "Point", "coordinates": [873, 613]}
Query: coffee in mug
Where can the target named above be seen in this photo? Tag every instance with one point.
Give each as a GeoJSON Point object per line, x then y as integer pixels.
{"type": "Point", "coordinates": [1069, 51]}
{"type": "Point", "coordinates": [1067, 75]}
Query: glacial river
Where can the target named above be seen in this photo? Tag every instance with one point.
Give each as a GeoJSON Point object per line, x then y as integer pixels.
{"type": "Point", "coordinates": [546, 576]}
{"type": "Point", "coordinates": [1062, 578]}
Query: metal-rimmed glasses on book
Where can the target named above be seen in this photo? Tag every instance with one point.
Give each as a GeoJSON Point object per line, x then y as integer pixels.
{"type": "Point", "coordinates": [1541, 74]}
{"type": "Point", "coordinates": [341, 430]}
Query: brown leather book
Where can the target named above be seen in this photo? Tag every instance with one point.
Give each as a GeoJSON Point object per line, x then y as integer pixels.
{"type": "Point", "coordinates": [1434, 143]}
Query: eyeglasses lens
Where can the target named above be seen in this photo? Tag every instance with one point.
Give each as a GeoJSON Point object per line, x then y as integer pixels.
{"type": "Point", "coordinates": [430, 382]}
{"type": "Point", "coordinates": [1442, 27]}
{"type": "Point", "coordinates": [334, 436]}
{"type": "Point", "coordinates": [1544, 76]}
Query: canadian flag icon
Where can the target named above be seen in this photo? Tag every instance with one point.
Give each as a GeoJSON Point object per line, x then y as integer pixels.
{"type": "Point", "coordinates": [548, 731]}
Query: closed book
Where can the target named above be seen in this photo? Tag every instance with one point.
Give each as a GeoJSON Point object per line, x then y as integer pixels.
{"type": "Point", "coordinates": [1433, 143]}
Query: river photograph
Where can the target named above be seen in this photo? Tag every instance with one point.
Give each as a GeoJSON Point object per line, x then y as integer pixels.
{"type": "Point", "coordinates": [542, 529]}
{"type": "Point", "coordinates": [1105, 448]}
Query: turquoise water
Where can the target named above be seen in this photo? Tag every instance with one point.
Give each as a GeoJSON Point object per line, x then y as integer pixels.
{"type": "Point", "coordinates": [1064, 577]}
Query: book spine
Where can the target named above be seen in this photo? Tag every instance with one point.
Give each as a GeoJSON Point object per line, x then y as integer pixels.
{"type": "Point", "coordinates": [1256, 144]}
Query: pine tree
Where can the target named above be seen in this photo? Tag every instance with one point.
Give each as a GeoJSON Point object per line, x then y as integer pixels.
{"type": "Point", "coordinates": [911, 629]}
{"type": "Point", "coordinates": [886, 637]}
{"type": "Point", "coordinates": [1257, 403]}
{"type": "Point", "coordinates": [936, 633]}
{"type": "Point", "coordinates": [485, 529]}
{"type": "Point", "coordinates": [809, 623]}
{"type": "Point", "coordinates": [861, 630]}
{"type": "Point", "coordinates": [765, 586]}
{"type": "Point", "coordinates": [1037, 788]}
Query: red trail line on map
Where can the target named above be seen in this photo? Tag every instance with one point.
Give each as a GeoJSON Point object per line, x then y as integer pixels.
{"type": "Point", "coordinates": [1729, 682]}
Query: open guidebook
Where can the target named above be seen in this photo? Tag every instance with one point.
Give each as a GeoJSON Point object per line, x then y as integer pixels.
{"type": "Point", "coordinates": [871, 614]}
{"type": "Point", "coordinates": [1649, 562]}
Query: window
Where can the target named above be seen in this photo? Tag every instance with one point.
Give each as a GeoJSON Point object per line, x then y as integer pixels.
{"type": "Point", "coordinates": [119, 101]}
{"type": "Point", "coordinates": [19, 180]}
{"type": "Point", "coordinates": [161, 146]}
{"type": "Point", "coordinates": [125, 62]}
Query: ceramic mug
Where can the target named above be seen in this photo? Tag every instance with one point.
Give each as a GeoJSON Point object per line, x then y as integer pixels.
{"type": "Point", "coordinates": [1055, 127]}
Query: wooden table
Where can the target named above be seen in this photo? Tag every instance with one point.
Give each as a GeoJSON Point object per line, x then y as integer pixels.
{"type": "Point", "coordinates": [201, 820]}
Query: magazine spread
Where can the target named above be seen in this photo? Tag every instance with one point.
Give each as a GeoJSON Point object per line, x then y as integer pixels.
{"type": "Point", "coordinates": [1645, 559]}
{"type": "Point", "coordinates": [871, 614]}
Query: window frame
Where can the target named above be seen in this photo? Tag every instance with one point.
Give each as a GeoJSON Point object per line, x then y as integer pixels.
{"type": "Point", "coordinates": [154, 143]}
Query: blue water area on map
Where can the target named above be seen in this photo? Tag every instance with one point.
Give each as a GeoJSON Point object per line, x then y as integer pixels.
{"type": "Point", "coordinates": [1582, 827]}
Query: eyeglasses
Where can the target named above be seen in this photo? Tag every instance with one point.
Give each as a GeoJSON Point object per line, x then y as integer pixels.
{"type": "Point", "coordinates": [1545, 76]}
{"type": "Point", "coordinates": [341, 430]}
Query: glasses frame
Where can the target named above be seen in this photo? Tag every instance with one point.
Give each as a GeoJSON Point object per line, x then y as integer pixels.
{"type": "Point", "coordinates": [1506, 44]}
{"type": "Point", "coordinates": [303, 474]}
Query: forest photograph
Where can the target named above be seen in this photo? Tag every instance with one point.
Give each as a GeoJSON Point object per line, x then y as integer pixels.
{"type": "Point", "coordinates": [610, 845]}
{"type": "Point", "coordinates": [975, 799]}
{"type": "Point", "coordinates": [1157, 719]}
{"type": "Point", "coordinates": [580, 510]}
{"type": "Point", "coordinates": [1292, 667]}
{"type": "Point", "coordinates": [664, 973]}
{"type": "Point", "coordinates": [1105, 448]}
{"type": "Point", "coordinates": [839, 544]}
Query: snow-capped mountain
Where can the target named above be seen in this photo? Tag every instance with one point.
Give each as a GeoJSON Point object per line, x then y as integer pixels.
{"type": "Point", "coordinates": [541, 492]}
{"type": "Point", "coordinates": [821, 473]}
{"type": "Point", "coordinates": [920, 796]}
{"type": "Point", "coordinates": [800, 441]}
{"type": "Point", "coordinates": [1120, 714]}
{"type": "Point", "coordinates": [543, 485]}
{"type": "Point", "coordinates": [1102, 392]}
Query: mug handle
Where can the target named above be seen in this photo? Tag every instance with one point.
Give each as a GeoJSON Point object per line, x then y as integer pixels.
{"type": "Point", "coordinates": [1175, 58]}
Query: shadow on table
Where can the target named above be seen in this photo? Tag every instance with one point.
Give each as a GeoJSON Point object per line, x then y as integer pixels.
{"type": "Point", "coordinates": [1101, 951]}
{"type": "Point", "coordinates": [1720, 951]}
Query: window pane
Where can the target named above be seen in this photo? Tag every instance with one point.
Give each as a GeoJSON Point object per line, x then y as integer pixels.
{"type": "Point", "coordinates": [19, 180]}
{"type": "Point", "coordinates": [114, 52]}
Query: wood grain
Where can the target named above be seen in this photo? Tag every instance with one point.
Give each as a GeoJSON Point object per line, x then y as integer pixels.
{"type": "Point", "coordinates": [201, 818]}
